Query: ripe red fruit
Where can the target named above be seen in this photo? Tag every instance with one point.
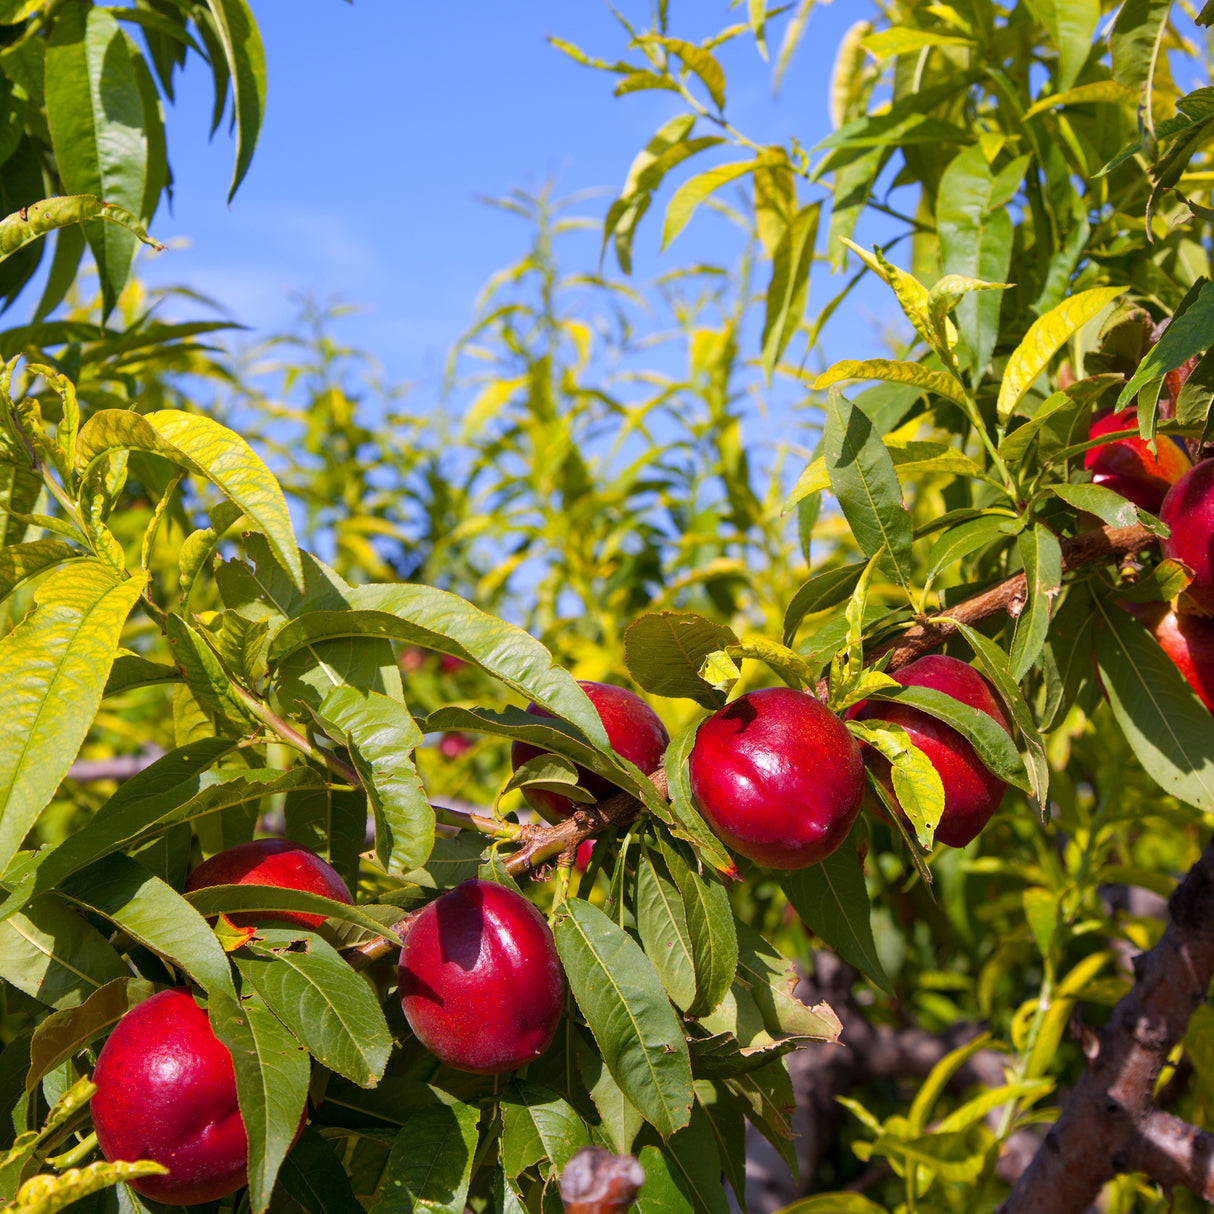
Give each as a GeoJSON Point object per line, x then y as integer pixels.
{"type": "Point", "coordinates": [971, 792]}
{"type": "Point", "coordinates": [1187, 639]}
{"type": "Point", "coordinates": [277, 862]}
{"type": "Point", "coordinates": [1188, 510]}
{"type": "Point", "coordinates": [452, 745]}
{"type": "Point", "coordinates": [166, 1091]}
{"type": "Point", "coordinates": [1127, 466]}
{"type": "Point", "coordinates": [633, 730]}
{"type": "Point", "coordinates": [777, 777]}
{"type": "Point", "coordinates": [480, 982]}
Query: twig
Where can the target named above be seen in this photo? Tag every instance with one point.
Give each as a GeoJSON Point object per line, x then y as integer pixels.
{"type": "Point", "coordinates": [1109, 1124]}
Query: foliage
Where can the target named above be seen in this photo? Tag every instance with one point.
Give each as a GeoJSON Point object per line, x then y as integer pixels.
{"type": "Point", "coordinates": [594, 512]}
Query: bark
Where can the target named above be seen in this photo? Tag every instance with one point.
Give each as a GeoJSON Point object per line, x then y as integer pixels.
{"type": "Point", "coordinates": [1109, 1124]}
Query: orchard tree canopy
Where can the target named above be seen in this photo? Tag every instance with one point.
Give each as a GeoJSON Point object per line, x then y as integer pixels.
{"type": "Point", "coordinates": [400, 804]}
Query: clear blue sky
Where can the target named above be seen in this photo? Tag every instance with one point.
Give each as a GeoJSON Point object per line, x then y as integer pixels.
{"type": "Point", "coordinates": [386, 121]}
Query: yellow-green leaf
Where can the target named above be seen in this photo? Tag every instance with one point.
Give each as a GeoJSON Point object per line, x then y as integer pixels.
{"type": "Point", "coordinates": [1045, 338]}
{"type": "Point", "coordinates": [814, 479]}
{"type": "Point", "coordinates": [35, 220]}
{"type": "Point", "coordinates": [207, 449]}
{"type": "Point", "coordinates": [941, 383]}
{"type": "Point", "coordinates": [696, 59]}
{"type": "Point", "coordinates": [48, 1193]}
{"type": "Point", "coordinates": [1099, 90]}
{"type": "Point", "coordinates": [691, 193]}
{"type": "Point", "coordinates": [55, 664]}
{"type": "Point", "coordinates": [901, 40]}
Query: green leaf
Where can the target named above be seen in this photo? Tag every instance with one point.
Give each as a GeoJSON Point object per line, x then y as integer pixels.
{"type": "Point", "coordinates": [1162, 719]}
{"type": "Point", "coordinates": [619, 1119]}
{"type": "Point", "coordinates": [50, 1192]}
{"type": "Point", "coordinates": [1045, 338]}
{"type": "Point", "coordinates": [207, 449]}
{"type": "Point", "coordinates": [316, 1179]}
{"type": "Point", "coordinates": [55, 956]}
{"type": "Point", "coordinates": [939, 383]}
{"type": "Point", "coordinates": [975, 241]}
{"type": "Point", "coordinates": [770, 979]}
{"type": "Point", "coordinates": [697, 1163]}
{"type": "Point", "coordinates": [55, 664]}
{"type": "Point", "coordinates": [693, 192]}
{"type": "Point", "coordinates": [431, 1162]}
{"type": "Point", "coordinates": [272, 1073]}
{"type": "Point", "coordinates": [246, 61]}
{"type": "Point", "coordinates": [971, 536]}
{"type": "Point", "coordinates": [1108, 506]}
{"type": "Point", "coordinates": [905, 40]}
{"type": "Point", "coordinates": [122, 890]}
{"type": "Point", "coordinates": [710, 927]}
{"type": "Point", "coordinates": [1070, 25]}
{"type": "Point", "coordinates": [665, 651]}
{"type": "Point", "coordinates": [662, 925]}
{"type": "Point", "coordinates": [234, 899]}
{"type": "Point", "coordinates": [67, 1032]}
{"type": "Point", "coordinates": [1135, 41]}
{"type": "Point", "coordinates": [683, 817]}
{"type": "Point", "coordinates": [539, 1127]}
{"type": "Point", "coordinates": [996, 665]}
{"type": "Point", "coordinates": [917, 785]}
{"type": "Point", "coordinates": [325, 1003]}
{"type": "Point", "coordinates": [831, 900]}
{"type": "Point", "coordinates": [381, 736]}
{"type": "Point", "coordinates": [789, 285]}
{"type": "Point", "coordinates": [626, 1008]}
{"type": "Point", "coordinates": [863, 478]}
{"type": "Point", "coordinates": [696, 59]}
{"type": "Point", "coordinates": [94, 109]}
{"type": "Point", "coordinates": [1042, 557]}
{"type": "Point", "coordinates": [823, 590]}
{"type": "Point", "coordinates": [1188, 334]}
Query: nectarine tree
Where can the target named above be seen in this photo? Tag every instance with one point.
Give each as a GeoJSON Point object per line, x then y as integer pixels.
{"type": "Point", "coordinates": [985, 571]}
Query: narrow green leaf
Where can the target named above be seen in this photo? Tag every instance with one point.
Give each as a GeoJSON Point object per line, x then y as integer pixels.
{"type": "Point", "coordinates": [665, 651]}
{"type": "Point", "coordinates": [1070, 25]}
{"type": "Point", "coordinates": [316, 1179]}
{"type": "Point", "coordinates": [771, 979]}
{"type": "Point", "coordinates": [662, 925]}
{"type": "Point", "coordinates": [863, 478]}
{"type": "Point", "coordinates": [832, 902]}
{"type": "Point", "coordinates": [539, 1127]}
{"type": "Point", "coordinates": [1162, 719]}
{"type": "Point", "coordinates": [20, 562]}
{"type": "Point", "coordinates": [696, 59]}
{"type": "Point", "coordinates": [971, 536]}
{"type": "Point", "coordinates": [823, 590]}
{"type": "Point", "coordinates": [272, 1074]}
{"type": "Point", "coordinates": [381, 736]}
{"type": "Point", "coordinates": [1188, 333]}
{"type": "Point", "coordinates": [626, 1008]}
{"type": "Point", "coordinates": [207, 449]}
{"type": "Point", "coordinates": [1045, 338]}
{"type": "Point", "coordinates": [55, 662]}
{"type": "Point", "coordinates": [1108, 505]}
{"type": "Point", "coordinates": [917, 785]}
{"type": "Point", "coordinates": [693, 192]}
{"type": "Point", "coordinates": [236, 899]}
{"type": "Point", "coordinates": [789, 286]}
{"type": "Point", "coordinates": [328, 1006]}
{"type": "Point", "coordinates": [36, 220]}
{"type": "Point", "coordinates": [1042, 557]}
{"type": "Point", "coordinates": [905, 40]}
{"type": "Point", "coordinates": [246, 61]}
{"type": "Point", "coordinates": [1135, 41]}
{"type": "Point", "coordinates": [682, 816]}
{"type": "Point", "coordinates": [55, 956]}
{"type": "Point", "coordinates": [431, 1162]}
{"type": "Point", "coordinates": [94, 109]}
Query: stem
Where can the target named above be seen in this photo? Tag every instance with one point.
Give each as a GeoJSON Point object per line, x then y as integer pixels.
{"type": "Point", "coordinates": [463, 820]}
{"type": "Point", "coordinates": [292, 737]}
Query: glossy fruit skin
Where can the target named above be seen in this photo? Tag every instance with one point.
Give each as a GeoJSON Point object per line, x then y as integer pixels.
{"type": "Point", "coordinates": [1127, 466]}
{"type": "Point", "coordinates": [1188, 510]}
{"type": "Point", "coordinates": [166, 1091]}
{"type": "Point", "coordinates": [971, 792]}
{"type": "Point", "coordinates": [1187, 639]}
{"type": "Point", "coordinates": [277, 862]}
{"type": "Point", "coordinates": [633, 730]}
{"type": "Point", "coordinates": [480, 981]}
{"type": "Point", "coordinates": [777, 777]}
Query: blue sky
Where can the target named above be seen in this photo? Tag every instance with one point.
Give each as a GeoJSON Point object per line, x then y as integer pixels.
{"type": "Point", "coordinates": [386, 121]}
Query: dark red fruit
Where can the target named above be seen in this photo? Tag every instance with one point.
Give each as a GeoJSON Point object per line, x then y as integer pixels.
{"type": "Point", "coordinates": [1127, 466]}
{"type": "Point", "coordinates": [1188, 510]}
{"type": "Point", "coordinates": [632, 728]}
{"type": "Point", "coordinates": [777, 777]}
{"type": "Point", "coordinates": [971, 792]}
{"type": "Point", "coordinates": [166, 1091]}
{"type": "Point", "coordinates": [453, 745]}
{"type": "Point", "coordinates": [277, 862]}
{"type": "Point", "coordinates": [480, 982]}
{"type": "Point", "coordinates": [1187, 639]}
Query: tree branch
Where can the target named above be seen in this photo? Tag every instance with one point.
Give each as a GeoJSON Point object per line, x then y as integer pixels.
{"type": "Point", "coordinates": [1109, 1124]}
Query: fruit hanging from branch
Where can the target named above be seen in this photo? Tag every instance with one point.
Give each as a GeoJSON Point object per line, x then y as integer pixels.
{"type": "Point", "coordinates": [1188, 510]}
{"type": "Point", "coordinates": [480, 981]}
{"type": "Point", "coordinates": [277, 862]}
{"type": "Point", "coordinates": [632, 728]}
{"type": "Point", "coordinates": [166, 1091]}
{"type": "Point", "coordinates": [1127, 465]}
{"type": "Point", "coordinates": [777, 777]}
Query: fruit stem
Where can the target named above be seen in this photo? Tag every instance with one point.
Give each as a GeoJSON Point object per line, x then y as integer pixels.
{"type": "Point", "coordinates": [69, 1159]}
{"type": "Point", "coordinates": [462, 820]}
